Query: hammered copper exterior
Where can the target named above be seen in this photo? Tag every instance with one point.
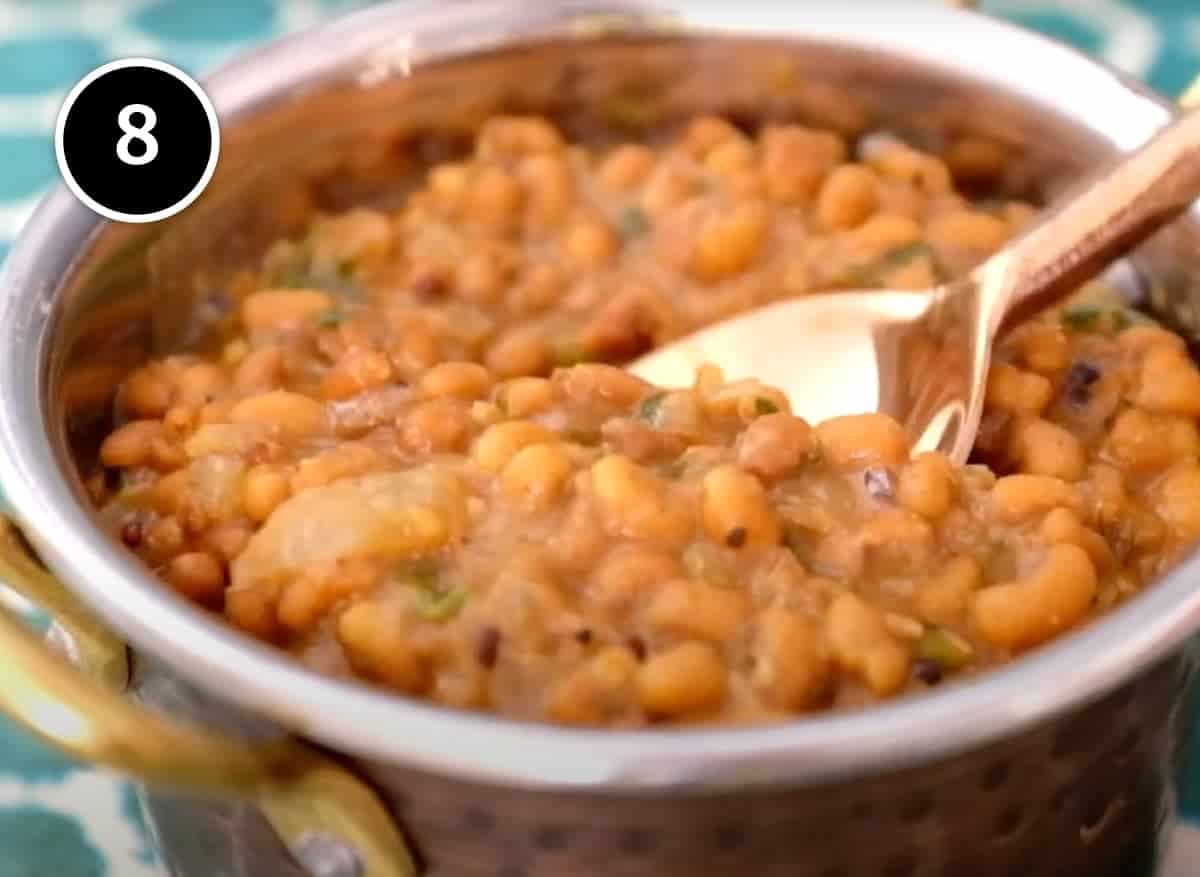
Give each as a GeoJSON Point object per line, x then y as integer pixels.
{"type": "Point", "coordinates": [1088, 795]}
{"type": "Point", "coordinates": [1090, 792]}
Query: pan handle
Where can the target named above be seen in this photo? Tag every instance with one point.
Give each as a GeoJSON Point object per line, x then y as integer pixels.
{"type": "Point", "coordinates": [79, 708]}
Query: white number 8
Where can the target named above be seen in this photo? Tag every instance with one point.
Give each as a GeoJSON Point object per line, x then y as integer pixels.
{"type": "Point", "coordinates": [142, 134]}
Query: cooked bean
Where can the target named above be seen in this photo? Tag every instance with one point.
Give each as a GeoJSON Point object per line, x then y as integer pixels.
{"type": "Point", "coordinates": [131, 445]}
{"type": "Point", "coordinates": [626, 167]}
{"type": "Point", "coordinates": [1018, 497]}
{"type": "Point", "coordinates": [943, 598]}
{"type": "Point", "coordinates": [706, 133]}
{"type": "Point", "coordinates": [536, 474]}
{"type": "Point", "coordinates": [862, 439]}
{"type": "Point", "coordinates": [520, 352]}
{"type": "Point", "coordinates": [774, 445]}
{"type": "Point", "coordinates": [292, 413]}
{"type": "Point", "coordinates": [590, 244]}
{"type": "Point", "coordinates": [344, 461]}
{"type": "Point", "coordinates": [695, 610]}
{"type": "Point", "coordinates": [735, 501]}
{"type": "Point", "coordinates": [1170, 383]}
{"type": "Point", "coordinates": [969, 229]}
{"type": "Point", "coordinates": [500, 443]}
{"type": "Point", "coordinates": [197, 576]}
{"type": "Point", "coordinates": [495, 199]}
{"type": "Point", "coordinates": [1046, 448]}
{"type": "Point", "coordinates": [900, 161]}
{"type": "Point", "coordinates": [1018, 392]}
{"type": "Point", "coordinates": [1179, 500]}
{"type": "Point", "coordinates": [635, 501]}
{"type": "Point", "coordinates": [790, 668]}
{"type": "Point", "coordinates": [926, 486]}
{"type": "Point", "coordinates": [886, 231]}
{"type": "Point", "coordinates": [511, 136]}
{"type": "Point", "coordinates": [415, 454]}
{"type": "Point", "coordinates": [628, 572]}
{"type": "Point", "coordinates": [847, 198]}
{"type": "Point", "coordinates": [355, 372]}
{"type": "Point", "coordinates": [602, 687]}
{"type": "Point", "coordinates": [436, 426]}
{"type": "Point", "coordinates": [147, 393]}
{"type": "Point", "coordinates": [1026, 612]}
{"type": "Point", "coordinates": [260, 370]}
{"type": "Point", "coordinates": [462, 380]}
{"type": "Point", "coordinates": [524, 397]}
{"type": "Point", "coordinates": [727, 244]}
{"type": "Point", "coordinates": [1136, 441]}
{"type": "Point", "coordinates": [689, 679]}
{"type": "Point", "coordinates": [374, 640]}
{"type": "Point", "coordinates": [796, 160]}
{"type": "Point", "coordinates": [862, 644]}
{"type": "Point", "coordinates": [276, 308]}
{"type": "Point", "coordinates": [263, 489]}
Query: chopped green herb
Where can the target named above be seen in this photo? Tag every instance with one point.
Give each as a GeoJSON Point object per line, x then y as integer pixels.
{"type": "Point", "coordinates": [290, 265]}
{"type": "Point", "coordinates": [440, 608]}
{"type": "Point", "coordinates": [331, 318]}
{"type": "Point", "coordinates": [434, 600]}
{"type": "Point", "coordinates": [1092, 318]}
{"type": "Point", "coordinates": [876, 273]}
{"type": "Point", "coordinates": [945, 648]}
{"type": "Point", "coordinates": [293, 277]}
{"type": "Point", "coordinates": [423, 575]}
{"type": "Point", "coordinates": [649, 410]}
{"type": "Point", "coordinates": [633, 222]}
{"type": "Point", "coordinates": [764, 406]}
{"type": "Point", "coordinates": [1082, 318]}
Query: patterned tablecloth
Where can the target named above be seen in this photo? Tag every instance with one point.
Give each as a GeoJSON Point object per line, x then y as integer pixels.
{"type": "Point", "coordinates": [61, 820]}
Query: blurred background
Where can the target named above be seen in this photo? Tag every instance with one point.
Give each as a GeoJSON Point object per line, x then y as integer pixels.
{"type": "Point", "coordinates": [56, 819]}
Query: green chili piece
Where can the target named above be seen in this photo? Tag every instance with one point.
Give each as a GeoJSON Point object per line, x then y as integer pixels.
{"type": "Point", "coordinates": [441, 608]}
{"type": "Point", "coordinates": [1083, 318]}
{"type": "Point", "coordinates": [944, 648]}
{"type": "Point", "coordinates": [649, 411]}
{"type": "Point", "coordinates": [875, 273]}
{"type": "Point", "coordinates": [634, 222]}
{"type": "Point", "coordinates": [331, 318]}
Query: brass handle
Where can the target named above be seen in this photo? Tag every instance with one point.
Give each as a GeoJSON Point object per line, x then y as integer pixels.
{"type": "Point", "coordinates": [81, 712]}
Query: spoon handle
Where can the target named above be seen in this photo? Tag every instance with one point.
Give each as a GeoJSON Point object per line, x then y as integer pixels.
{"type": "Point", "coordinates": [1096, 222]}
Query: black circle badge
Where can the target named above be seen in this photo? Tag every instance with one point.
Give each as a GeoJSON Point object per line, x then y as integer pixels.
{"type": "Point", "coordinates": [137, 140]}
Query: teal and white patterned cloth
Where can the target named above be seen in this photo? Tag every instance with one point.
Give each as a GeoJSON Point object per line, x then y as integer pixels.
{"type": "Point", "coordinates": [58, 820]}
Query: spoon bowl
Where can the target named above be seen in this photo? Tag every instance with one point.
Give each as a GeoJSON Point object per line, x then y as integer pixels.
{"type": "Point", "coordinates": [837, 354]}
{"type": "Point", "coordinates": [922, 357]}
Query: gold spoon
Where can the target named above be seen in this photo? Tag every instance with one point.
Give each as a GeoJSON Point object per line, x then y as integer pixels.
{"type": "Point", "coordinates": [922, 357]}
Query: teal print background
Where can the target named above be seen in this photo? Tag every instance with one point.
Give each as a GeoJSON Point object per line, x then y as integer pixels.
{"type": "Point", "coordinates": [59, 820]}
